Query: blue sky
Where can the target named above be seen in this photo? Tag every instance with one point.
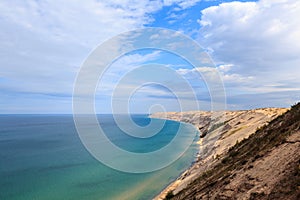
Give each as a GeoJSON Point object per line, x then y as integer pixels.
{"type": "Point", "coordinates": [254, 44]}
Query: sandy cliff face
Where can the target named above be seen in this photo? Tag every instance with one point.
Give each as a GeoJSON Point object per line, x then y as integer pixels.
{"type": "Point", "coordinates": [266, 165]}
{"type": "Point", "coordinates": [219, 132]}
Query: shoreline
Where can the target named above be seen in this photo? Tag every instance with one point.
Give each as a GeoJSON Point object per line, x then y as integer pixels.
{"type": "Point", "coordinates": [181, 179]}
{"type": "Point", "coordinates": [187, 175]}
{"type": "Point", "coordinates": [175, 184]}
{"type": "Point", "coordinates": [238, 126]}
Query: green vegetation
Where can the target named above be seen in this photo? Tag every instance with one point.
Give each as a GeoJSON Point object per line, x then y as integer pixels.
{"type": "Point", "coordinates": [214, 127]}
{"type": "Point", "coordinates": [236, 130]}
{"type": "Point", "coordinates": [170, 195]}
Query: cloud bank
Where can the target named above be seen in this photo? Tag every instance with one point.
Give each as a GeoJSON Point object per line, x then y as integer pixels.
{"type": "Point", "coordinates": [255, 45]}
{"type": "Point", "coordinates": [260, 41]}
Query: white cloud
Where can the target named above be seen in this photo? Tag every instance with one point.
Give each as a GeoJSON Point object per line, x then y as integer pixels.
{"type": "Point", "coordinates": [43, 43]}
{"type": "Point", "coordinates": [174, 17]}
{"type": "Point", "coordinates": [182, 4]}
{"type": "Point", "coordinates": [210, 73]}
{"type": "Point", "coordinates": [257, 42]}
{"type": "Point", "coordinates": [89, 22]}
{"type": "Point", "coordinates": [122, 66]}
{"type": "Point", "coordinates": [225, 67]}
{"type": "Point", "coordinates": [253, 32]}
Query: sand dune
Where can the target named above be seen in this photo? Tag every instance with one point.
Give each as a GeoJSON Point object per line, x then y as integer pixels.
{"type": "Point", "coordinates": [219, 131]}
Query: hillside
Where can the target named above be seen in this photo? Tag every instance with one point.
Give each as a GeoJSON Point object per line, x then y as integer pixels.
{"type": "Point", "coordinates": [264, 166]}
{"type": "Point", "coordinates": [219, 132]}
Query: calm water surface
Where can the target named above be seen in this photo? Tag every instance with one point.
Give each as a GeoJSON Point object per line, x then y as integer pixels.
{"type": "Point", "coordinates": [41, 157]}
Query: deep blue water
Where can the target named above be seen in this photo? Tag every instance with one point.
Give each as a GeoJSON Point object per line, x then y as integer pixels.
{"type": "Point", "coordinates": [42, 157]}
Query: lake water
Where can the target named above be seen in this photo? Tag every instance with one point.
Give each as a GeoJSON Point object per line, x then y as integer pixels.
{"type": "Point", "coordinates": [42, 157]}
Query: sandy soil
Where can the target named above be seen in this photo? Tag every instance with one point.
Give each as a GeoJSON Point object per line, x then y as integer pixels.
{"type": "Point", "coordinates": [219, 131]}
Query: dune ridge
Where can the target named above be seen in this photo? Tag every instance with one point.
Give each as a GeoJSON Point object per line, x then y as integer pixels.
{"type": "Point", "coordinates": [219, 132]}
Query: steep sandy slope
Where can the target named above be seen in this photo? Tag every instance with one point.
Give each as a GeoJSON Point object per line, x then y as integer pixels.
{"type": "Point", "coordinates": [264, 166]}
{"type": "Point", "coordinates": [219, 132]}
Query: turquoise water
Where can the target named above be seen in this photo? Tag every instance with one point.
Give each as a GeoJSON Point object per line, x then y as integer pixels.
{"type": "Point", "coordinates": [41, 157]}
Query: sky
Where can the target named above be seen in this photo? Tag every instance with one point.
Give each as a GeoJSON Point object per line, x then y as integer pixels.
{"type": "Point", "coordinates": [254, 45]}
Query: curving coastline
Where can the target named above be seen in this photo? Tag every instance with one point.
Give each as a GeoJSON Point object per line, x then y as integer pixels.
{"type": "Point", "coordinates": [218, 134]}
